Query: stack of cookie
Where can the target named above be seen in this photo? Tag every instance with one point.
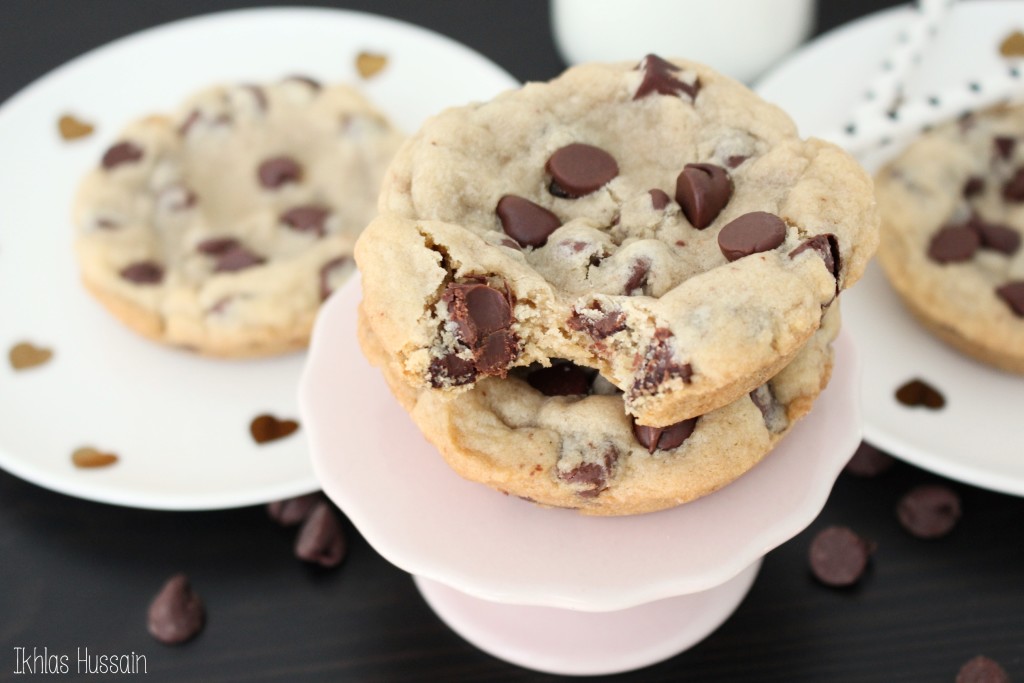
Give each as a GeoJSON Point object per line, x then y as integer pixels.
{"type": "Point", "coordinates": [615, 291]}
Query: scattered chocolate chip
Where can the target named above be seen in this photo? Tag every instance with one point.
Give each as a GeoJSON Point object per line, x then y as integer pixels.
{"type": "Point", "coordinates": [1013, 189]}
{"type": "Point", "coordinates": [452, 370]}
{"type": "Point", "coordinates": [176, 614]}
{"type": "Point", "coordinates": [580, 169]}
{"type": "Point", "coordinates": [308, 218]}
{"type": "Point", "coordinates": [703, 190]}
{"type": "Point", "coordinates": [277, 171]}
{"type": "Point", "coordinates": [751, 233]}
{"type": "Point", "coordinates": [735, 160]}
{"type": "Point", "coordinates": [216, 246]}
{"type": "Point", "coordinates": [838, 556]}
{"type": "Point", "coordinates": [292, 511]}
{"type": "Point", "coordinates": [1004, 146]}
{"type": "Point", "coordinates": [659, 78]}
{"type": "Point", "coordinates": [266, 428]}
{"type": "Point", "coordinates": [330, 276]}
{"type": "Point", "coordinates": [999, 238]}
{"type": "Point", "coordinates": [369, 64]}
{"type": "Point", "coordinates": [974, 186]}
{"type": "Point", "coordinates": [143, 273]}
{"type": "Point", "coordinates": [868, 461]}
{"type": "Point", "coordinates": [981, 669]}
{"type": "Point", "coordinates": [954, 244]}
{"type": "Point", "coordinates": [827, 247]}
{"type": "Point", "coordinates": [1012, 293]}
{"type": "Point", "coordinates": [72, 128]}
{"type": "Point", "coordinates": [24, 355]}
{"type": "Point", "coordinates": [917, 392]}
{"type": "Point", "coordinates": [527, 223]}
{"type": "Point", "coordinates": [664, 438]}
{"type": "Point", "coordinates": [659, 199]}
{"type": "Point", "coordinates": [638, 276]}
{"type": "Point", "coordinates": [597, 322]}
{"type": "Point", "coordinates": [121, 153]}
{"type": "Point", "coordinates": [594, 475]}
{"type": "Point", "coordinates": [311, 82]}
{"type": "Point", "coordinates": [929, 510]}
{"type": "Point", "coordinates": [563, 379]}
{"type": "Point", "coordinates": [88, 458]}
{"type": "Point", "coordinates": [659, 365]}
{"type": "Point", "coordinates": [237, 258]}
{"type": "Point", "coordinates": [321, 539]}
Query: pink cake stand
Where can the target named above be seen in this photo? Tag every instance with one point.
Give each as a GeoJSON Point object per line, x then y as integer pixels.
{"type": "Point", "coordinates": [554, 590]}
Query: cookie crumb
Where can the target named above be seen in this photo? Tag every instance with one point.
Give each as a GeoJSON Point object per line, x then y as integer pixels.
{"type": "Point", "coordinates": [26, 355]}
{"type": "Point", "coordinates": [88, 457]}
{"type": "Point", "coordinates": [369, 64]}
{"type": "Point", "coordinates": [72, 128]}
{"type": "Point", "coordinates": [1012, 45]}
{"type": "Point", "coordinates": [266, 428]}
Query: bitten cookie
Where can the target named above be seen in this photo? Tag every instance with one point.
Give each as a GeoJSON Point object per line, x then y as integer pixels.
{"type": "Point", "coordinates": [559, 436]}
{"type": "Point", "coordinates": [222, 228]}
{"type": "Point", "coordinates": [952, 209]}
{"type": "Point", "coordinates": [657, 222]}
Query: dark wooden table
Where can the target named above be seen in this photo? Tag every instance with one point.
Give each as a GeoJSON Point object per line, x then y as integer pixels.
{"type": "Point", "coordinates": [79, 574]}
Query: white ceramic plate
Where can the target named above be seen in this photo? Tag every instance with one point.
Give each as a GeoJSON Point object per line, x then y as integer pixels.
{"type": "Point", "coordinates": [396, 488]}
{"type": "Point", "coordinates": [976, 438]}
{"type": "Point", "coordinates": [178, 422]}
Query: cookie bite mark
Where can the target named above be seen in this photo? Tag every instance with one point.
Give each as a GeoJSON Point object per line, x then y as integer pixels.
{"type": "Point", "coordinates": [579, 169]}
{"type": "Point", "coordinates": [751, 233]}
{"type": "Point", "coordinates": [527, 223]}
{"type": "Point", "coordinates": [702, 191]}
{"type": "Point", "coordinates": [588, 467]}
{"type": "Point", "coordinates": [122, 153]}
{"type": "Point", "coordinates": [1012, 294]}
{"type": "Point", "coordinates": [661, 77]}
{"type": "Point", "coordinates": [143, 273]}
{"type": "Point", "coordinates": [658, 365]}
{"type": "Point", "coordinates": [664, 438]}
{"type": "Point", "coordinates": [278, 171]}
{"type": "Point", "coordinates": [479, 319]}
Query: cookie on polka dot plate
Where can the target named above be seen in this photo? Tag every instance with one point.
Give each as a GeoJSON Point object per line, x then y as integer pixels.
{"type": "Point", "coordinates": [658, 222]}
{"type": "Point", "coordinates": [222, 228]}
{"type": "Point", "coordinates": [952, 207]}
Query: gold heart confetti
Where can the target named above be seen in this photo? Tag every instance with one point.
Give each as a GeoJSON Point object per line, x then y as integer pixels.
{"type": "Point", "coordinates": [266, 428]}
{"type": "Point", "coordinates": [72, 128]}
{"type": "Point", "coordinates": [369, 64]}
{"type": "Point", "coordinates": [1012, 45]}
{"type": "Point", "coordinates": [26, 355]}
{"type": "Point", "coordinates": [88, 458]}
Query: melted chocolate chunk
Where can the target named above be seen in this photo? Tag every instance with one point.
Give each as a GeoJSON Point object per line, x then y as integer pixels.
{"type": "Point", "coordinates": [638, 276]}
{"type": "Point", "coordinates": [827, 247]}
{"type": "Point", "coordinates": [482, 316]}
{"type": "Point", "coordinates": [143, 273]}
{"type": "Point", "coordinates": [1004, 146]}
{"type": "Point", "coordinates": [237, 258]}
{"type": "Point", "coordinates": [664, 438]}
{"type": "Point", "coordinates": [702, 191]}
{"type": "Point", "coordinates": [954, 244]}
{"type": "Point", "coordinates": [1000, 238]}
{"type": "Point", "coordinates": [735, 160]}
{"type": "Point", "coordinates": [216, 246]}
{"type": "Point", "coordinates": [917, 392]}
{"type": "Point", "coordinates": [278, 171]}
{"type": "Point", "coordinates": [974, 186]}
{"type": "Point", "coordinates": [659, 365]}
{"type": "Point", "coordinates": [451, 370]}
{"type": "Point", "coordinates": [309, 218]}
{"type": "Point", "coordinates": [1013, 189]}
{"type": "Point", "coordinates": [1012, 293]}
{"type": "Point", "coordinates": [527, 223]}
{"type": "Point", "coordinates": [563, 379]}
{"type": "Point", "coordinates": [580, 169]}
{"type": "Point", "coordinates": [659, 199]}
{"type": "Point", "coordinates": [600, 326]}
{"type": "Point", "coordinates": [751, 233]}
{"type": "Point", "coordinates": [121, 153]}
{"type": "Point", "coordinates": [929, 510]}
{"type": "Point", "coordinates": [838, 556]}
{"type": "Point", "coordinates": [592, 474]}
{"type": "Point", "coordinates": [659, 78]}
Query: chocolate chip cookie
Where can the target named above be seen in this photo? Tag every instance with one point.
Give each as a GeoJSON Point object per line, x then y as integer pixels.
{"type": "Point", "coordinates": [952, 207]}
{"type": "Point", "coordinates": [558, 435]}
{"type": "Point", "coordinates": [657, 222]}
{"type": "Point", "coordinates": [223, 227]}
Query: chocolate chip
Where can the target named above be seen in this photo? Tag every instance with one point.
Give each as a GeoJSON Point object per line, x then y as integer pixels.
{"type": "Point", "coordinates": [1012, 293]}
{"type": "Point", "coordinates": [556, 190]}
{"type": "Point", "coordinates": [703, 190]}
{"type": "Point", "coordinates": [176, 614]}
{"type": "Point", "coordinates": [1013, 189]}
{"type": "Point", "coordinates": [974, 186]}
{"type": "Point", "coordinates": [293, 511]}
{"type": "Point", "coordinates": [265, 428]}
{"type": "Point", "coordinates": [329, 274]}
{"type": "Point", "coordinates": [954, 244]}
{"type": "Point", "coordinates": [638, 276]}
{"type": "Point", "coordinates": [237, 258]}
{"type": "Point", "coordinates": [143, 273]}
{"type": "Point", "coordinates": [1004, 146]}
{"type": "Point", "coordinates": [917, 392]}
{"type": "Point", "coordinates": [664, 438]}
{"type": "Point", "coordinates": [827, 247]}
{"type": "Point", "coordinates": [868, 461]}
{"type": "Point", "coordinates": [321, 539]}
{"type": "Point", "coordinates": [593, 475]}
{"type": "Point", "coordinates": [1000, 238]}
{"type": "Point", "coordinates": [482, 316]}
{"type": "Point", "coordinates": [277, 171]}
{"type": "Point", "coordinates": [452, 370]}
{"type": "Point", "coordinates": [659, 199]}
{"type": "Point", "coordinates": [216, 246]}
{"type": "Point", "coordinates": [597, 322]}
{"type": "Point", "coordinates": [981, 669]}
{"type": "Point", "coordinates": [527, 223]}
{"type": "Point", "coordinates": [772, 411]}
{"type": "Point", "coordinates": [563, 379]}
{"type": "Point", "coordinates": [496, 352]}
{"type": "Point", "coordinates": [838, 556]}
{"type": "Point", "coordinates": [580, 169]}
{"type": "Point", "coordinates": [659, 78]}
{"type": "Point", "coordinates": [659, 365]}
{"type": "Point", "coordinates": [929, 510]}
{"type": "Point", "coordinates": [751, 233]}
{"type": "Point", "coordinates": [308, 218]}
{"type": "Point", "coordinates": [735, 160]}
{"type": "Point", "coordinates": [121, 153]}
